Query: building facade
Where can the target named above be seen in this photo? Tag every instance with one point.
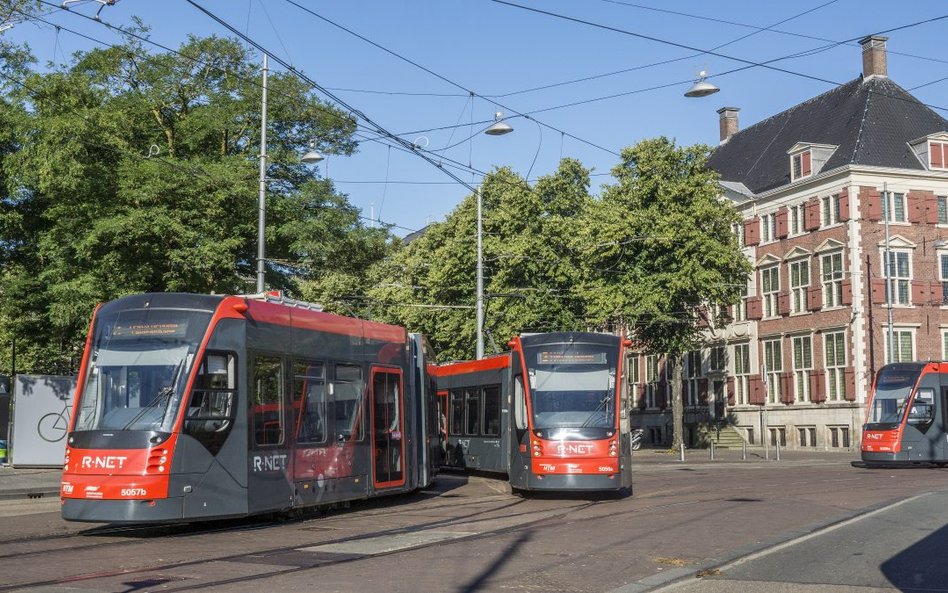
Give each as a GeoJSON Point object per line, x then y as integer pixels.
{"type": "Point", "coordinates": [829, 191]}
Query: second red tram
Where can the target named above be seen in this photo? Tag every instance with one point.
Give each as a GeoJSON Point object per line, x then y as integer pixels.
{"type": "Point", "coordinates": [907, 415]}
{"type": "Point", "coordinates": [192, 407]}
{"type": "Point", "coordinates": [549, 413]}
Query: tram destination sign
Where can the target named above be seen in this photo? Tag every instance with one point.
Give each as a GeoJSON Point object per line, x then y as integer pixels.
{"type": "Point", "coordinates": [146, 329]}
{"type": "Point", "coordinates": [560, 357]}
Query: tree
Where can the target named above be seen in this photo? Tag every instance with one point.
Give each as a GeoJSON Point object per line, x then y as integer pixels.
{"type": "Point", "coordinates": [530, 268]}
{"type": "Point", "coordinates": [133, 172]}
{"type": "Point", "coordinates": [659, 251]}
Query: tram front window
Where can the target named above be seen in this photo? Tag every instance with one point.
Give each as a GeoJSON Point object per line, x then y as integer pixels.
{"type": "Point", "coordinates": [138, 369]}
{"type": "Point", "coordinates": [893, 388]}
{"type": "Point", "coordinates": [572, 391]}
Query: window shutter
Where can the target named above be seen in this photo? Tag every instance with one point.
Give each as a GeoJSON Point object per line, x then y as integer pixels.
{"type": "Point", "coordinates": [786, 387]}
{"type": "Point", "coordinates": [640, 399]}
{"type": "Point", "coordinates": [872, 202]}
{"type": "Point", "coordinates": [703, 391]}
{"type": "Point", "coordinates": [848, 291]}
{"type": "Point", "coordinates": [817, 385]}
{"type": "Point", "coordinates": [752, 231]}
{"type": "Point", "coordinates": [805, 158]}
{"type": "Point", "coordinates": [920, 292]}
{"type": "Point", "coordinates": [811, 218]}
{"type": "Point", "coordinates": [916, 207]}
{"type": "Point", "coordinates": [844, 204]}
{"type": "Point", "coordinates": [783, 303]}
{"type": "Point", "coordinates": [814, 298]}
{"type": "Point", "coordinates": [783, 227]}
{"type": "Point", "coordinates": [937, 159]}
{"type": "Point", "coordinates": [756, 387]}
{"type": "Point", "coordinates": [731, 397]}
{"type": "Point", "coordinates": [755, 308]}
{"type": "Point", "coordinates": [878, 291]}
{"type": "Point", "coordinates": [850, 380]}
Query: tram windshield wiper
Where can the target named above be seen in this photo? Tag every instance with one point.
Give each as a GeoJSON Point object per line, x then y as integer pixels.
{"type": "Point", "coordinates": [601, 407]}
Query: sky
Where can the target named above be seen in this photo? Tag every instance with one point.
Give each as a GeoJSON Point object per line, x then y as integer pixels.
{"type": "Point", "coordinates": [580, 79]}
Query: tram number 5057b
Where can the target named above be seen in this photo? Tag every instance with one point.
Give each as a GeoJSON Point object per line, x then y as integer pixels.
{"type": "Point", "coordinates": [134, 492]}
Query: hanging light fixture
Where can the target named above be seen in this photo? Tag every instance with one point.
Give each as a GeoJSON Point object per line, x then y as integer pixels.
{"type": "Point", "coordinates": [499, 127]}
{"type": "Point", "coordinates": [701, 87]}
{"type": "Point", "coordinates": [311, 157]}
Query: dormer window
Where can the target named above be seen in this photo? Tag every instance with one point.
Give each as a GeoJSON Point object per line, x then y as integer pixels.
{"type": "Point", "coordinates": [801, 165]}
{"type": "Point", "coordinates": [808, 158]}
{"type": "Point", "coordinates": [932, 151]}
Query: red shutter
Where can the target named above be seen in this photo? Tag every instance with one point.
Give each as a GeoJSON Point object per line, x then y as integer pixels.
{"type": "Point", "coordinates": [878, 291]}
{"type": "Point", "coordinates": [756, 387]}
{"type": "Point", "coordinates": [850, 379]}
{"type": "Point", "coordinates": [786, 387]}
{"type": "Point", "coordinates": [817, 386]}
{"type": "Point", "coordinates": [783, 303]}
{"type": "Point", "coordinates": [755, 308]}
{"type": "Point", "coordinates": [805, 159]}
{"type": "Point", "coordinates": [916, 207]}
{"type": "Point", "coordinates": [937, 160]}
{"type": "Point", "coordinates": [844, 204]}
{"type": "Point", "coordinates": [731, 396]}
{"type": "Point", "coordinates": [871, 202]}
{"type": "Point", "coordinates": [752, 231]}
{"type": "Point", "coordinates": [703, 392]}
{"type": "Point", "coordinates": [848, 291]}
{"type": "Point", "coordinates": [930, 207]}
{"type": "Point", "coordinates": [814, 298]}
{"type": "Point", "coordinates": [920, 292]}
{"type": "Point", "coordinates": [811, 218]}
{"type": "Point", "coordinates": [783, 226]}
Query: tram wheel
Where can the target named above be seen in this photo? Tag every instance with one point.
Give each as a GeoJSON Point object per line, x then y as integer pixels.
{"type": "Point", "coordinates": [941, 463]}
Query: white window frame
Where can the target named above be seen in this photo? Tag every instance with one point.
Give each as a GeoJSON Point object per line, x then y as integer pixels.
{"type": "Point", "coordinates": [651, 380]}
{"type": "Point", "coordinates": [942, 261]}
{"type": "Point", "coordinates": [829, 210]}
{"type": "Point", "coordinates": [832, 278]}
{"type": "Point", "coordinates": [773, 362]}
{"type": "Point", "coordinates": [941, 146]}
{"type": "Point", "coordinates": [834, 361]}
{"type": "Point", "coordinates": [738, 229]}
{"type": "Point", "coordinates": [799, 284]}
{"type": "Point", "coordinates": [900, 283]}
{"type": "Point", "coordinates": [802, 365]}
{"type": "Point", "coordinates": [796, 219]}
{"type": "Point", "coordinates": [718, 358]}
{"type": "Point", "coordinates": [894, 203]}
{"type": "Point", "coordinates": [742, 373]}
{"type": "Point", "coordinates": [796, 165]}
{"type": "Point", "coordinates": [693, 372]}
{"type": "Point", "coordinates": [944, 344]}
{"type": "Point", "coordinates": [942, 203]}
{"type": "Point", "coordinates": [770, 289]}
{"type": "Point", "coordinates": [904, 336]}
{"type": "Point", "coordinates": [768, 228]}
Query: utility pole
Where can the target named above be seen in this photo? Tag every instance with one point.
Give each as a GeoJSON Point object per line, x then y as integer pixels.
{"type": "Point", "coordinates": [262, 200]}
{"type": "Point", "coordinates": [887, 266]}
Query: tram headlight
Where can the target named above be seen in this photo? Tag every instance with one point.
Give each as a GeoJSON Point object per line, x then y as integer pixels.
{"type": "Point", "coordinates": [613, 449]}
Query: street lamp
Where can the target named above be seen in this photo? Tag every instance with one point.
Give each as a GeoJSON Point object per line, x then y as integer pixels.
{"type": "Point", "coordinates": [701, 87]}
{"type": "Point", "coordinates": [499, 128]}
{"type": "Point", "coordinates": [311, 157]}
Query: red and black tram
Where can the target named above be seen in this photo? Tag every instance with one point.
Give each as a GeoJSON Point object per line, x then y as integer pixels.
{"type": "Point", "coordinates": [193, 407]}
{"type": "Point", "coordinates": [907, 415]}
{"type": "Point", "coordinates": [550, 413]}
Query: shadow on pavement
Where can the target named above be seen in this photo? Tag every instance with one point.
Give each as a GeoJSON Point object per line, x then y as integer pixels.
{"type": "Point", "coordinates": [921, 566]}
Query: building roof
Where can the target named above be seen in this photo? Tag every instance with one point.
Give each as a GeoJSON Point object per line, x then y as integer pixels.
{"type": "Point", "coordinates": [870, 121]}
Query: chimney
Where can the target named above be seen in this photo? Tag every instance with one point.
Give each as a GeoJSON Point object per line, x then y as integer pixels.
{"type": "Point", "coordinates": [873, 56]}
{"type": "Point", "coordinates": [729, 125]}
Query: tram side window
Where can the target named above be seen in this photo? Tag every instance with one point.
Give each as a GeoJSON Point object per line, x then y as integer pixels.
{"type": "Point", "coordinates": [348, 391]}
{"type": "Point", "coordinates": [210, 412]}
{"type": "Point", "coordinates": [472, 411]}
{"type": "Point", "coordinates": [266, 400]}
{"type": "Point", "coordinates": [520, 404]}
{"type": "Point", "coordinates": [492, 410]}
{"type": "Point", "coordinates": [457, 411]}
{"type": "Point", "coordinates": [309, 399]}
{"type": "Point", "coordinates": [923, 407]}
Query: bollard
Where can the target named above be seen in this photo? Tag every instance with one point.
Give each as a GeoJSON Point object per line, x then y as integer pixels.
{"type": "Point", "coordinates": [682, 452]}
{"type": "Point", "coordinates": [778, 450]}
{"type": "Point", "coordinates": [743, 450]}
{"type": "Point", "coordinates": [712, 450]}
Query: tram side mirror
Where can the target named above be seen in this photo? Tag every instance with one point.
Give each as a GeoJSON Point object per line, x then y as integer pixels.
{"type": "Point", "coordinates": [923, 409]}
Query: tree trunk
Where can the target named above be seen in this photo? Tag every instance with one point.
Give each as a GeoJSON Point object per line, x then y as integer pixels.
{"type": "Point", "coordinates": [678, 416]}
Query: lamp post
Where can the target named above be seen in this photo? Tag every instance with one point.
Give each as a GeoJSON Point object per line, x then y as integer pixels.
{"type": "Point", "coordinates": [498, 128]}
{"type": "Point", "coordinates": [262, 199]}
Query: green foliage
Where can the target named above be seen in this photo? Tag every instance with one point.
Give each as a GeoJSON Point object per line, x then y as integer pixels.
{"type": "Point", "coordinates": [128, 172]}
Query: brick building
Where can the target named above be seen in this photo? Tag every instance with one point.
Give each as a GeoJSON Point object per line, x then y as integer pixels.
{"type": "Point", "coordinates": [821, 186]}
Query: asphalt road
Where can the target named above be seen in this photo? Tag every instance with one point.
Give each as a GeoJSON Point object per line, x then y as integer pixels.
{"type": "Point", "coordinates": [469, 535]}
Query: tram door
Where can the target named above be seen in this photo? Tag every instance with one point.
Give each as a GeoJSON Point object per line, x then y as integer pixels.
{"type": "Point", "coordinates": [388, 428]}
{"type": "Point", "coordinates": [269, 485]}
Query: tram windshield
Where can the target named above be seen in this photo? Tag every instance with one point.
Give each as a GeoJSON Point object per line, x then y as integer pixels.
{"type": "Point", "coordinates": [572, 386]}
{"type": "Point", "coordinates": [138, 368]}
{"type": "Point", "coordinates": [893, 387]}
